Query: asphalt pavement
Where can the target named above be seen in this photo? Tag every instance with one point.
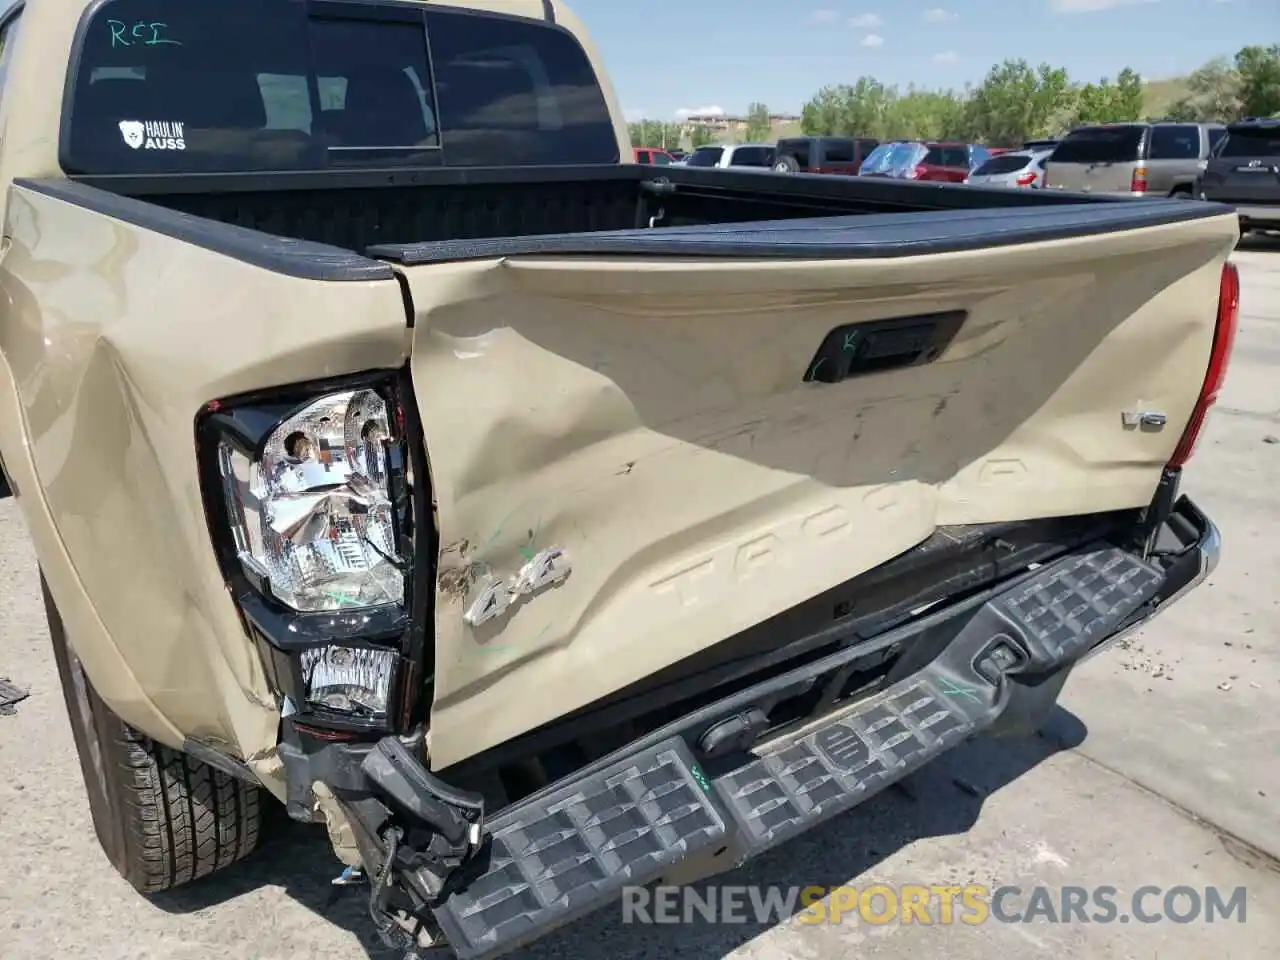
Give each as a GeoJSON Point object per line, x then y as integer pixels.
{"type": "Point", "coordinates": [1160, 769]}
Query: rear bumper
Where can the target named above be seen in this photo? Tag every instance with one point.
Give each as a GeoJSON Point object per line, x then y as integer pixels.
{"type": "Point", "coordinates": [1259, 214]}
{"type": "Point", "coordinates": [702, 795]}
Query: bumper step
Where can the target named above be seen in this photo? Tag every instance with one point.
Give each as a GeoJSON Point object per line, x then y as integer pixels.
{"type": "Point", "coordinates": [560, 855]}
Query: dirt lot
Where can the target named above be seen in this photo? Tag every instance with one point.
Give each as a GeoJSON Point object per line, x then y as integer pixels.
{"type": "Point", "coordinates": [1160, 768]}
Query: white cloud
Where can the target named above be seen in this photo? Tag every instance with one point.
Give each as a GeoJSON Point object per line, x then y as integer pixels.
{"type": "Point", "coordinates": [947, 56]}
{"type": "Point", "coordinates": [873, 40]}
{"type": "Point", "coordinates": [1092, 6]}
{"type": "Point", "coordinates": [824, 16]}
{"type": "Point", "coordinates": [938, 15]}
{"type": "Point", "coordinates": [865, 20]}
{"type": "Point", "coordinates": [712, 111]}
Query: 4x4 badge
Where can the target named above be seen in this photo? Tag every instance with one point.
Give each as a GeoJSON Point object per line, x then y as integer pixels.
{"type": "Point", "coordinates": [493, 596]}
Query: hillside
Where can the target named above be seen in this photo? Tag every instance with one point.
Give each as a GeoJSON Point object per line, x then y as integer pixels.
{"type": "Point", "coordinates": [1158, 95]}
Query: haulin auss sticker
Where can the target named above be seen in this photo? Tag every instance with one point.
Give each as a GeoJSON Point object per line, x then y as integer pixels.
{"type": "Point", "coordinates": [153, 134]}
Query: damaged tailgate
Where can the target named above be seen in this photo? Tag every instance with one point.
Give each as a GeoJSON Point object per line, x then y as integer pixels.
{"type": "Point", "coordinates": [642, 443]}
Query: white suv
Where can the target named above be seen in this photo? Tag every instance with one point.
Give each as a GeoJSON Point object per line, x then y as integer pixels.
{"type": "Point", "coordinates": [758, 156]}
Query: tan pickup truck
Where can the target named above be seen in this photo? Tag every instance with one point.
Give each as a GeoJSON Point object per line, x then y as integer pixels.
{"type": "Point", "coordinates": [544, 524]}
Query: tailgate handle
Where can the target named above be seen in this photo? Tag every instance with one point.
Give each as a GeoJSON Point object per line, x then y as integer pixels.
{"type": "Point", "coordinates": [857, 349]}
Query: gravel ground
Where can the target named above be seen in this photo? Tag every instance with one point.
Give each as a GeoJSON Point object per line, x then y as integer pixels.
{"type": "Point", "coordinates": [1160, 768]}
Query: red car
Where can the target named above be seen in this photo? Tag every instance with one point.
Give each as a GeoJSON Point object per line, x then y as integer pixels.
{"type": "Point", "coordinates": [924, 160]}
{"type": "Point", "coordinates": [654, 155]}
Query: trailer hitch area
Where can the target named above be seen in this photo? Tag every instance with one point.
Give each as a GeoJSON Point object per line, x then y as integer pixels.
{"type": "Point", "coordinates": [414, 832]}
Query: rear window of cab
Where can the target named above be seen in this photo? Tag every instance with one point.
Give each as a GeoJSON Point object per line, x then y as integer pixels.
{"type": "Point", "coordinates": [280, 85]}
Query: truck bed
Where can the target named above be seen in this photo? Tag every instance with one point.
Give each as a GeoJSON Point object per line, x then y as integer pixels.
{"type": "Point", "coordinates": [439, 214]}
{"type": "Point", "coordinates": [640, 355]}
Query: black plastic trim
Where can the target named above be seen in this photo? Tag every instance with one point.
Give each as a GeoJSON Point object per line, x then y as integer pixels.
{"type": "Point", "coordinates": [219, 761]}
{"type": "Point", "coordinates": [629, 817]}
{"type": "Point", "coordinates": [295, 258]}
{"type": "Point", "coordinates": [142, 185]}
{"type": "Point", "coordinates": [826, 238]}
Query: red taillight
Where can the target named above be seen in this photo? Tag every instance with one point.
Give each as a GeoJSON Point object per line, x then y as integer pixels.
{"type": "Point", "coordinates": [1224, 336]}
{"type": "Point", "coordinates": [1138, 182]}
{"type": "Point", "coordinates": [917, 172]}
{"type": "Point", "coordinates": [1026, 180]}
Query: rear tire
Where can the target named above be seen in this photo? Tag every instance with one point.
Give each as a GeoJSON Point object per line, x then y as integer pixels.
{"type": "Point", "coordinates": [786, 164]}
{"type": "Point", "coordinates": [163, 818]}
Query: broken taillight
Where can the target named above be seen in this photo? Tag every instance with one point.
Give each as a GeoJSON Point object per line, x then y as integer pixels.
{"type": "Point", "coordinates": [1224, 336]}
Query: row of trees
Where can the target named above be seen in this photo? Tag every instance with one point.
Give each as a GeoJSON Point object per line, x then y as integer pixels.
{"type": "Point", "coordinates": [1014, 102]}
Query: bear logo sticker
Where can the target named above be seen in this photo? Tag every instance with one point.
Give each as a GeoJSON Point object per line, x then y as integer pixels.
{"type": "Point", "coordinates": [152, 134]}
{"type": "Point", "coordinates": [132, 131]}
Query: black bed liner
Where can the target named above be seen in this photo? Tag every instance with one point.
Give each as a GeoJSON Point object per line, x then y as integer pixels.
{"type": "Point", "coordinates": [825, 238]}
{"type": "Point", "coordinates": [352, 227]}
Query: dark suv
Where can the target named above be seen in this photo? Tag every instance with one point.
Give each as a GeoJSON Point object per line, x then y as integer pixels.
{"type": "Point", "coordinates": [1245, 171]}
{"type": "Point", "coordinates": [823, 154]}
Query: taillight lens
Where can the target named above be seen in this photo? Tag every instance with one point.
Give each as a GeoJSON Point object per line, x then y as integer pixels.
{"type": "Point", "coordinates": [1224, 336]}
{"type": "Point", "coordinates": [917, 172]}
{"type": "Point", "coordinates": [1138, 182]}
{"type": "Point", "coordinates": [1026, 179]}
{"type": "Point", "coordinates": [312, 513]}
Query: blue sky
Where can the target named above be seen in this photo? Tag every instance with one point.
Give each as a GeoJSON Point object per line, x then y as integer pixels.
{"type": "Point", "coordinates": [671, 55]}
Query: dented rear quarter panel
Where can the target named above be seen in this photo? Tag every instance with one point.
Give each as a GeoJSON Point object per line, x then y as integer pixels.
{"type": "Point", "coordinates": [114, 338]}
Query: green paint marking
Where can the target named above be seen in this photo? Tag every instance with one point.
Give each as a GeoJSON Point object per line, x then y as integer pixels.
{"type": "Point", "coordinates": [956, 690]}
{"type": "Point", "coordinates": [701, 777]}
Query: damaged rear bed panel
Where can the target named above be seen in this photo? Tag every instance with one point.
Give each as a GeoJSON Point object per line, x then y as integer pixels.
{"type": "Point", "coordinates": [649, 418]}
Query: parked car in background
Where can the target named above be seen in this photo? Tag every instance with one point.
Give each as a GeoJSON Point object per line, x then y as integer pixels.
{"type": "Point", "coordinates": [1047, 144]}
{"type": "Point", "coordinates": [1014, 168]}
{"type": "Point", "coordinates": [749, 155]}
{"type": "Point", "coordinates": [1160, 159]}
{"type": "Point", "coordinates": [654, 155]}
{"type": "Point", "coordinates": [839, 155]}
{"type": "Point", "coordinates": [678, 155]}
{"type": "Point", "coordinates": [924, 160]}
{"type": "Point", "coordinates": [1245, 172]}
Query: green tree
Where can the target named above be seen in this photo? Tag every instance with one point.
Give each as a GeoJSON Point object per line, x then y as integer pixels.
{"type": "Point", "coordinates": [1127, 97]}
{"type": "Point", "coordinates": [759, 126]}
{"type": "Point", "coordinates": [700, 136]}
{"type": "Point", "coordinates": [857, 110]}
{"type": "Point", "coordinates": [925, 115]}
{"type": "Point", "coordinates": [821, 115]}
{"type": "Point", "coordinates": [1259, 71]}
{"type": "Point", "coordinates": [1213, 93]}
{"type": "Point", "coordinates": [655, 133]}
{"type": "Point", "coordinates": [1016, 102]}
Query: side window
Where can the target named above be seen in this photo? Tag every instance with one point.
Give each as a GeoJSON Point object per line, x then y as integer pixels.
{"type": "Point", "coordinates": [935, 157]}
{"type": "Point", "coordinates": [7, 33]}
{"type": "Point", "coordinates": [642, 156]}
{"type": "Point", "coordinates": [1180, 142]}
{"type": "Point", "coordinates": [1216, 136]}
{"type": "Point", "coordinates": [838, 151]}
{"type": "Point", "coordinates": [751, 157]}
{"type": "Point", "coordinates": [661, 159]}
{"type": "Point", "coordinates": [516, 92]}
{"type": "Point", "coordinates": [866, 146]}
{"type": "Point", "coordinates": [955, 157]}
